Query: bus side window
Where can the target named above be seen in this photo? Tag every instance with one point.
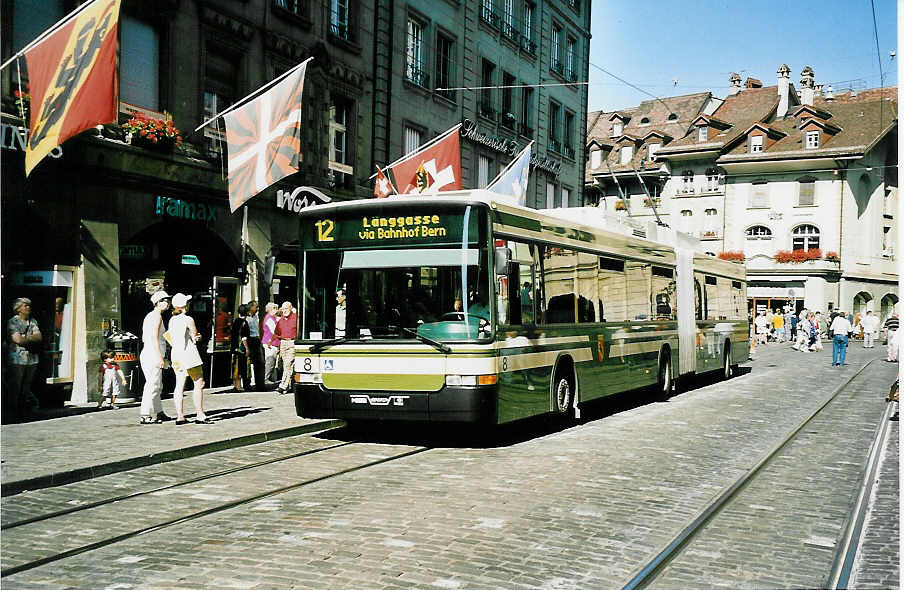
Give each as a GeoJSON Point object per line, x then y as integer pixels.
{"type": "Point", "coordinates": [519, 302]}
{"type": "Point", "coordinates": [639, 290]}
{"type": "Point", "coordinates": [588, 288]}
{"type": "Point", "coordinates": [711, 298]}
{"type": "Point", "coordinates": [663, 293]}
{"type": "Point", "coordinates": [611, 294]}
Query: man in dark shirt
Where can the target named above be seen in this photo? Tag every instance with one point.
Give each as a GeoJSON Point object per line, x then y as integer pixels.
{"type": "Point", "coordinates": [286, 331]}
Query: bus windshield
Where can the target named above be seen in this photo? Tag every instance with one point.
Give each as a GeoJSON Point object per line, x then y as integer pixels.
{"type": "Point", "coordinates": [379, 294]}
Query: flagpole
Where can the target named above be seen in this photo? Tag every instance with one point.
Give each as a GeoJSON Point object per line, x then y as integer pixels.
{"type": "Point", "coordinates": [43, 36]}
{"type": "Point", "coordinates": [252, 95]}
{"type": "Point", "coordinates": [511, 164]}
{"type": "Point", "coordinates": [420, 149]}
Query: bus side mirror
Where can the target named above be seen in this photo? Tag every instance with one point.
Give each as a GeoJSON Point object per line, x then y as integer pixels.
{"type": "Point", "coordinates": [503, 260]}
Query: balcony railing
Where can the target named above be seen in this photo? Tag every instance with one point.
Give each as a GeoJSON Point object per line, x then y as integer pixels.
{"type": "Point", "coordinates": [528, 45]}
{"type": "Point", "coordinates": [340, 30]}
{"type": "Point", "coordinates": [487, 111]}
{"type": "Point", "coordinates": [568, 151]}
{"type": "Point", "coordinates": [509, 31]}
{"type": "Point", "coordinates": [507, 120]}
{"type": "Point", "coordinates": [416, 73]}
{"type": "Point", "coordinates": [555, 145]}
{"type": "Point", "coordinates": [558, 67]}
{"type": "Point", "coordinates": [489, 17]}
{"type": "Point", "coordinates": [525, 130]}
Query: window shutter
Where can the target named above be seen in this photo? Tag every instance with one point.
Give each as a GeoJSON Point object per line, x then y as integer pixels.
{"type": "Point", "coordinates": [807, 194]}
{"type": "Point", "coordinates": [759, 197]}
{"type": "Point", "coordinates": [139, 64]}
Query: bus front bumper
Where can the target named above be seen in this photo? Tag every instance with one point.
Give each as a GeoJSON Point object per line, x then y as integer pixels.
{"type": "Point", "coordinates": [449, 404]}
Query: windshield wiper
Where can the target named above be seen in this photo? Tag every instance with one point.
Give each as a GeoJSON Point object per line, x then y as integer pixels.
{"type": "Point", "coordinates": [318, 346]}
{"type": "Point", "coordinates": [437, 345]}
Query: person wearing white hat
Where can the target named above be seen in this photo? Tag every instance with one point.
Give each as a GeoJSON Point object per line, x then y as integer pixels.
{"type": "Point", "coordinates": [183, 334]}
{"type": "Point", "coordinates": [152, 360]}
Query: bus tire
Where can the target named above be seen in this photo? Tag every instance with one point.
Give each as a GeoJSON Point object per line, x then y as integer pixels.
{"type": "Point", "coordinates": [664, 379]}
{"type": "Point", "coordinates": [727, 367]}
{"type": "Point", "coordinates": [563, 389]}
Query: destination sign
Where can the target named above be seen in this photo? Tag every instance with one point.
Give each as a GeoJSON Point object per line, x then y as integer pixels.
{"type": "Point", "coordinates": [439, 226]}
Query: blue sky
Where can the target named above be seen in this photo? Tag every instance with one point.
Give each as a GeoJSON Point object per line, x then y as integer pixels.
{"type": "Point", "coordinates": [699, 43]}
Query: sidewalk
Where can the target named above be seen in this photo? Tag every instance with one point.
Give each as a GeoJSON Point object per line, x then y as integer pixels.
{"type": "Point", "coordinates": [91, 443]}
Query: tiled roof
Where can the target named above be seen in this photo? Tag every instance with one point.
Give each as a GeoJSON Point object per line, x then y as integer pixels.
{"type": "Point", "coordinates": [656, 113]}
{"type": "Point", "coordinates": [740, 110]}
{"type": "Point", "coordinates": [860, 121]}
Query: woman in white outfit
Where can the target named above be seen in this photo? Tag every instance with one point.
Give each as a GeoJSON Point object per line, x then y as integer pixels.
{"type": "Point", "coordinates": [183, 334]}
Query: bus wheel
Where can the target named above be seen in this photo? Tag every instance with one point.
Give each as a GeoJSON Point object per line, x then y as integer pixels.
{"type": "Point", "coordinates": [564, 393]}
{"type": "Point", "coordinates": [727, 368]}
{"type": "Point", "coordinates": [664, 383]}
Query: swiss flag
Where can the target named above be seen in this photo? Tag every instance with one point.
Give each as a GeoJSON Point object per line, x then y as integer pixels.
{"type": "Point", "coordinates": [382, 187]}
{"type": "Point", "coordinates": [435, 168]}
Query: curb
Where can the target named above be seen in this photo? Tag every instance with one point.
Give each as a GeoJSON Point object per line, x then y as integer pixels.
{"type": "Point", "coordinates": [66, 477]}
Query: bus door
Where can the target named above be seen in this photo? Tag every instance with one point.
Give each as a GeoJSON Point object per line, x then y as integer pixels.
{"type": "Point", "coordinates": [225, 301]}
{"type": "Point", "coordinates": [687, 312]}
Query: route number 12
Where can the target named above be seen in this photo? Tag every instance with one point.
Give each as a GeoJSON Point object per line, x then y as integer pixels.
{"type": "Point", "coordinates": [325, 229]}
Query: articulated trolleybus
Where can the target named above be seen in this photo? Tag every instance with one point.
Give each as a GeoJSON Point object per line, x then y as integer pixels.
{"type": "Point", "coordinates": [468, 308]}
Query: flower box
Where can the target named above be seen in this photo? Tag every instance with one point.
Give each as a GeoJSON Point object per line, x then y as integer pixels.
{"type": "Point", "coordinates": [159, 134]}
{"type": "Point", "coordinates": [732, 255]}
{"type": "Point", "coordinates": [798, 256]}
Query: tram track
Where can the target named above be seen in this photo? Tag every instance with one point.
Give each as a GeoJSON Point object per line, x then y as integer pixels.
{"type": "Point", "coordinates": [246, 471]}
{"type": "Point", "coordinates": [649, 572]}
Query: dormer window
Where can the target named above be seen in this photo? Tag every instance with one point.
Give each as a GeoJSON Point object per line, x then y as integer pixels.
{"type": "Point", "coordinates": [756, 144]}
{"type": "Point", "coordinates": [702, 134]}
{"type": "Point", "coordinates": [617, 128]}
{"type": "Point", "coordinates": [596, 158]}
{"type": "Point", "coordinates": [627, 152]}
{"type": "Point", "coordinates": [673, 117]}
{"type": "Point", "coordinates": [811, 140]}
{"type": "Point", "coordinates": [645, 121]}
{"type": "Point", "coordinates": [652, 149]}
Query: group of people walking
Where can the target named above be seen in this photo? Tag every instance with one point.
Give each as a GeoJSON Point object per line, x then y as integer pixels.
{"type": "Point", "coordinates": [805, 330]}
{"type": "Point", "coordinates": [257, 342]}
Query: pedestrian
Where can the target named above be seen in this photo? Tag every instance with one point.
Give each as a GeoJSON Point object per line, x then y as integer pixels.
{"type": "Point", "coordinates": [239, 347]}
{"type": "Point", "coordinates": [841, 328]}
{"type": "Point", "coordinates": [255, 349]}
{"type": "Point", "coordinates": [25, 342]}
{"type": "Point", "coordinates": [152, 360]}
{"type": "Point", "coordinates": [792, 321]}
{"type": "Point", "coordinates": [891, 330]}
{"type": "Point", "coordinates": [109, 379]}
{"type": "Point", "coordinates": [270, 342]}
{"type": "Point", "coordinates": [778, 324]}
{"type": "Point", "coordinates": [762, 328]}
{"type": "Point", "coordinates": [286, 331]}
{"type": "Point", "coordinates": [820, 329]}
{"type": "Point", "coordinates": [183, 335]}
{"type": "Point", "coordinates": [870, 325]}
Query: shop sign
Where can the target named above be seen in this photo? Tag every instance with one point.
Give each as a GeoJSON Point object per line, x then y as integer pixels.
{"type": "Point", "coordinates": [43, 278]}
{"type": "Point", "coordinates": [169, 207]}
{"type": "Point", "coordinates": [131, 251]}
{"type": "Point", "coordinates": [15, 138]}
{"type": "Point", "coordinates": [191, 260]}
{"type": "Point", "coordinates": [470, 131]}
{"type": "Point", "coordinates": [298, 199]}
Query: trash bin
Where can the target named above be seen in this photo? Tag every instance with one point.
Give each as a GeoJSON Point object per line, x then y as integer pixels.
{"type": "Point", "coordinates": [125, 348]}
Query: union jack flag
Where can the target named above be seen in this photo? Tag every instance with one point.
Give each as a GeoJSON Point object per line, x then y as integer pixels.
{"type": "Point", "coordinates": [263, 139]}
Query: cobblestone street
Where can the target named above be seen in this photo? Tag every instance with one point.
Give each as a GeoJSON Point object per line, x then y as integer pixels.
{"type": "Point", "coordinates": [540, 505]}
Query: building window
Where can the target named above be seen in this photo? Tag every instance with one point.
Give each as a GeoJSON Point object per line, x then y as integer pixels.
{"type": "Point", "coordinates": [413, 139]}
{"type": "Point", "coordinates": [555, 133]}
{"type": "Point", "coordinates": [568, 146]}
{"type": "Point", "coordinates": [596, 159]}
{"type": "Point", "coordinates": [684, 224]}
{"type": "Point", "coordinates": [566, 197]}
{"type": "Point", "coordinates": [527, 26]}
{"type": "Point", "coordinates": [483, 171]}
{"type": "Point", "coordinates": [625, 155]}
{"type": "Point", "coordinates": [508, 19]}
{"type": "Point", "coordinates": [712, 179]}
{"type": "Point", "coordinates": [570, 48]}
{"type": "Point", "coordinates": [339, 19]}
{"type": "Point", "coordinates": [702, 134]}
{"type": "Point", "coordinates": [652, 149]}
{"type": "Point", "coordinates": [507, 116]}
{"type": "Point", "coordinates": [673, 117]}
{"type": "Point", "coordinates": [488, 12]}
{"type": "Point", "coordinates": [445, 65]}
{"type": "Point", "coordinates": [527, 107]}
{"type": "Point", "coordinates": [645, 121]}
{"type": "Point", "coordinates": [340, 158]}
{"type": "Point", "coordinates": [687, 182]}
{"type": "Point", "coordinates": [555, 48]}
{"type": "Point", "coordinates": [756, 144]}
{"type": "Point", "coordinates": [759, 195]}
{"type": "Point", "coordinates": [415, 68]}
{"type": "Point", "coordinates": [219, 92]}
{"type": "Point", "coordinates": [710, 223]}
{"type": "Point", "coordinates": [806, 192]}
{"type": "Point", "coordinates": [758, 232]}
{"type": "Point", "coordinates": [550, 195]}
{"type": "Point", "coordinates": [487, 104]}
{"type": "Point", "coordinates": [139, 68]}
{"type": "Point", "coordinates": [617, 128]}
{"type": "Point", "coordinates": [805, 237]}
{"type": "Point", "coordinates": [812, 140]}
{"type": "Point", "coordinates": [298, 7]}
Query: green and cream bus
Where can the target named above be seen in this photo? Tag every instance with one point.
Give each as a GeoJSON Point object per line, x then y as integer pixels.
{"type": "Point", "coordinates": [468, 308]}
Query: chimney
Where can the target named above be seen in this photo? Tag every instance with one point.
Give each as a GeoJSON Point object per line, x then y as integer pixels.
{"type": "Point", "coordinates": [734, 84]}
{"type": "Point", "coordinates": [818, 93]}
{"type": "Point", "coordinates": [784, 90]}
{"type": "Point", "coordinates": [752, 83]}
{"type": "Point", "coordinates": [830, 93]}
{"type": "Point", "coordinates": [807, 86]}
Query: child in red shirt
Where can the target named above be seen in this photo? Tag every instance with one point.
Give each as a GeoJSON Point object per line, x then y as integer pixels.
{"type": "Point", "coordinates": [109, 379]}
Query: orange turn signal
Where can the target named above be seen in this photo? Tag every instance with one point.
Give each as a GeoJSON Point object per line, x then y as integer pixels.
{"type": "Point", "coordinates": [487, 379]}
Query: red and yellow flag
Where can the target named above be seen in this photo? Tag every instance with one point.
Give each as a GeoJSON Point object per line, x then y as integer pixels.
{"type": "Point", "coordinates": [72, 79]}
